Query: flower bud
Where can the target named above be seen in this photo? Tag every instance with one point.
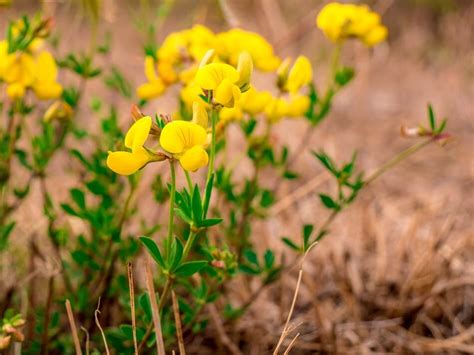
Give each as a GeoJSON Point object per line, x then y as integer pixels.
{"type": "Point", "coordinates": [244, 68]}
{"type": "Point", "coordinates": [207, 58]}
{"type": "Point", "coordinates": [200, 114]}
{"type": "Point", "coordinates": [282, 72]}
{"type": "Point", "coordinates": [59, 111]}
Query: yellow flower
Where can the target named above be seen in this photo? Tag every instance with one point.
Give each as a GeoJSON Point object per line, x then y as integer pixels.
{"type": "Point", "coordinates": [254, 102]}
{"type": "Point", "coordinates": [155, 86]}
{"type": "Point", "coordinates": [231, 43]}
{"type": "Point", "coordinates": [298, 106]}
{"type": "Point", "coordinates": [3, 58]}
{"type": "Point", "coordinates": [127, 163]}
{"type": "Point", "coordinates": [220, 78]}
{"type": "Point", "coordinates": [299, 75]}
{"type": "Point", "coordinates": [244, 68]}
{"type": "Point", "coordinates": [190, 93]}
{"type": "Point", "coordinates": [19, 73]}
{"type": "Point", "coordinates": [185, 140]}
{"type": "Point", "coordinates": [231, 114]}
{"type": "Point", "coordinates": [276, 109]}
{"type": "Point", "coordinates": [341, 21]}
{"type": "Point", "coordinates": [45, 85]}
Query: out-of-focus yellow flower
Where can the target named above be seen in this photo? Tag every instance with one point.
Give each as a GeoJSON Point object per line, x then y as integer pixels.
{"type": "Point", "coordinates": [254, 102]}
{"type": "Point", "coordinates": [231, 43]}
{"type": "Point", "coordinates": [166, 72]}
{"type": "Point", "coordinates": [59, 111]}
{"type": "Point", "coordinates": [276, 109]}
{"type": "Point", "coordinates": [245, 69]}
{"type": "Point", "coordinates": [45, 85]}
{"type": "Point", "coordinates": [299, 75]}
{"type": "Point", "coordinates": [19, 73]}
{"type": "Point", "coordinates": [5, 2]}
{"type": "Point", "coordinates": [227, 115]}
{"type": "Point", "coordinates": [127, 163]}
{"type": "Point", "coordinates": [220, 79]}
{"type": "Point", "coordinates": [155, 85]}
{"type": "Point", "coordinates": [185, 140]}
{"type": "Point", "coordinates": [298, 106]}
{"type": "Point", "coordinates": [341, 21]}
{"type": "Point", "coordinates": [3, 58]}
{"type": "Point", "coordinates": [190, 93]}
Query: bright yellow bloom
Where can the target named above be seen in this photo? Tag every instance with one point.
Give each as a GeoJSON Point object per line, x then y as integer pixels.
{"type": "Point", "coordinates": [127, 163]}
{"type": "Point", "coordinates": [245, 69]}
{"type": "Point", "coordinates": [19, 73]}
{"type": "Point", "coordinates": [45, 85]}
{"type": "Point", "coordinates": [190, 93]}
{"type": "Point", "coordinates": [231, 114]}
{"type": "Point", "coordinates": [341, 21]}
{"type": "Point", "coordinates": [276, 109]}
{"type": "Point", "coordinates": [298, 106]}
{"type": "Point", "coordinates": [185, 140]}
{"type": "Point", "coordinates": [254, 102]}
{"type": "Point", "coordinates": [231, 43]}
{"type": "Point", "coordinates": [3, 58]}
{"type": "Point", "coordinates": [299, 75]}
{"type": "Point", "coordinates": [155, 85]}
{"type": "Point", "coordinates": [220, 78]}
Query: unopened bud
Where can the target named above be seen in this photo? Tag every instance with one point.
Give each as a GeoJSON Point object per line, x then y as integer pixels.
{"type": "Point", "coordinates": [282, 72]}
{"type": "Point", "coordinates": [59, 111]}
{"type": "Point", "coordinates": [136, 113]}
{"type": "Point", "coordinates": [207, 58]}
{"type": "Point", "coordinates": [245, 69]}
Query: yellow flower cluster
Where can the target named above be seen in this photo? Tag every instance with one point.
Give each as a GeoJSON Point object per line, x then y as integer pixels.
{"type": "Point", "coordinates": [178, 58]}
{"type": "Point", "coordinates": [183, 140]}
{"type": "Point", "coordinates": [35, 69]}
{"type": "Point", "coordinates": [342, 21]}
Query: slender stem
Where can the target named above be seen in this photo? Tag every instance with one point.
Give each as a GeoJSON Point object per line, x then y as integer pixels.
{"type": "Point", "coordinates": [171, 211]}
{"type": "Point", "coordinates": [188, 179]}
{"type": "Point", "coordinates": [189, 244]}
{"type": "Point", "coordinates": [214, 117]}
{"type": "Point", "coordinates": [397, 159]}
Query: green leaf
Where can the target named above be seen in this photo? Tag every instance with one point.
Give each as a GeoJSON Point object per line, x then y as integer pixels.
{"type": "Point", "coordinates": [97, 188]}
{"type": "Point", "coordinates": [176, 253]}
{"type": "Point", "coordinates": [307, 231]}
{"type": "Point", "coordinates": [197, 205]}
{"type": "Point", "coordinates": [344, 76]}
{"type": "Point", "coordinates": [153, 250]}
{"type": "Point", "coordinates": [328, 202]}
{"type": "Point", "coordinates": [249, 270]}
{"type": "Point", "coordinates": [442, 126]}
{"type": "Point", "coordinates": [207, 197]}
{"type": "Point", "coordinates": [267, 198]}
{"type": "Point", "coordinates": [190, 268]}
{"type": "Point", "coordinates": [290, 175]}
{"type": "Point", "coordinates": [78, 197]}
{"type": "Point", "coordinates": [291, 244]}
{"type": "Point", "coordinates": [69, 210]}
{"type": "Point", "coordinates": [432, 118]}
{"type": "Point", "coordinates": [182, 214]}
{"type": "Point", "coordinates": [269, 258]}
{"type": "Point", "coordinates": [210, 222]}
{"type": "Point", "coordinates": [251, 256]}
{"type": "Point", "coordinates": [145, 305]}
{"type": "Point", "coordinates": [327, 162]}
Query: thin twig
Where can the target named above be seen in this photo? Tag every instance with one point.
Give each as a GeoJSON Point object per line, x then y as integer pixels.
{"type": "Point", "coordinates": [96, 313]}
{"type": "Point", "coordinates": [177, 320]}
{"type": "Point", "coordinates": [72, 323]}
{"type": "Point", "coordinates": [132, 306]}
{"type": "Point", "coordinates": [87, 339]}
{"type": "Point", "coordinates": [160, 346]}
{"type": "Point", "coordinates": [287, 351]}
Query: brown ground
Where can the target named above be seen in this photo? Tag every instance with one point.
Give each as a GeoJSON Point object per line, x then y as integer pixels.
{"type": "Point", "coordinates": [401, 257]}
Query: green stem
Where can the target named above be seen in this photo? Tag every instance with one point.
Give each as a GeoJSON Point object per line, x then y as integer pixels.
{"type": "Point", "coordinates": [171, 211]}
{"type": "Point", "coordinates": [397, 159]}
{"type": "Point", "coordinates": [214, 117]}
{"type": "Point", "coordinates": [189, 244]}
{"type": "Point", "coordinates": [188, 179]}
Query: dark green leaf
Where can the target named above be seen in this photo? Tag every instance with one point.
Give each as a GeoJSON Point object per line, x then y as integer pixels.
{"type": "Point", "coordinates": [190, 268]}
{"type": "Point", "coordinates": [328, 202]}
{"type": "Point", "coordinates": [153, 250]}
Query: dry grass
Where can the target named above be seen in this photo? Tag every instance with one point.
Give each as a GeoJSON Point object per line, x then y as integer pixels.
{"type": "Point", "coordinates": [397, 272]}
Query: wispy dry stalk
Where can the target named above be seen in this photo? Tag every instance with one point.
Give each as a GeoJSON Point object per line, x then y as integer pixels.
{"type": "Point", "coordinates": [87, 340]}
{"type": "Point", "coordinates": [72, 323]}
{"type": "Point", "coordinates": [290, 346]}
{"type": "Point", "coordinates": [177, 320]}
{"type": "Point", "coordinates": [96, 315]}
{"type": "Point", "coordinates": [160, 345]}
{"type": "Point", "coordinates": [132, 306]}
{"type": "Point", "coordinates": [286, 329]}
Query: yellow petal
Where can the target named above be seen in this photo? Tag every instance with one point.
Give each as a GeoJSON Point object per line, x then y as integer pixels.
{"type": "Point", "coordinates": [200, 115]}
{"type": "Point", "coordinates": [227, 93]}
{"type": "Point", "coordinates": [301, 74]}
{"type": "Point", "coordinates": [150, 71]}
{"type": "Point", "coordinates": [244, 68]}
{"type": "Point", "coordinates": [178, 136]}
{"type": "Point", "coordinates": [15, 91]}
{"type": "Point", "coordinates": [126, 163]}
{"type": "Point", "coordinates": [46, 69]}
{"type": "Point", "coordinates": [194, 158]}
{"type": "Point", "coordinates": [210, 76]}
{"type": "Point", "coordinates": [151, 90]}
{"type": "Point", "coordinates": [138, 133]}
{"type": "Point", "coordinates": [375, 36]}
{"type": "Point", "coordinates": [47, 90]}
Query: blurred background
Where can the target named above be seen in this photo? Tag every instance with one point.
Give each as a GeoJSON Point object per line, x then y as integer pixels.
{"type": "Point", "coordinates": [397, 272]}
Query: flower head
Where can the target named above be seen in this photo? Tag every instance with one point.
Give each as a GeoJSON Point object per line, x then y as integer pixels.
{"type": "Point", "coordinates": [127, 163]}
{"type": "Point", "coordinates": [185, 141]}
{"type": "Point", "coordinates": [298, 76]}
{"type": "Point", "coordinates": [45, 85]}
{"type": "Point", "coordinates": [342, 21]}
{"type": "Point", "coordinates": [155, 85]}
